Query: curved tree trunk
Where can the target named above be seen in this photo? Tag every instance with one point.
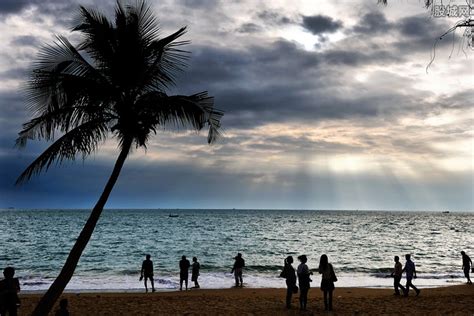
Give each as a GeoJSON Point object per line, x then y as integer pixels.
{"type": "Point", "coordinates": [55, 290]}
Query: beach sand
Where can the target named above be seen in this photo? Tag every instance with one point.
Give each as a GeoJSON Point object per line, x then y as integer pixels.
{"type": "Point", "coordinates": [453, 300]}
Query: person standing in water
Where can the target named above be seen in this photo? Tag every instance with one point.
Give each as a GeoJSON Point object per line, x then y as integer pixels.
{"type": "Point", "coordinates": [239, 264]}
{"type": "Point", "coordinates": [410, 271]}
{"type": "Point", "coordinates": [195, 272]}
{"type": "Point", "coordinates": [397, 276]}
{"type": "Point", "coordinates": [147, 273]}
{"type": "Point", "coordinates": [183, 272]}
{"type": "Point", "coordinates": [289, 274]}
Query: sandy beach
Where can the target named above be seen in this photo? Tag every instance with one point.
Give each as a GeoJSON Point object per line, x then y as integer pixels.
{"type": "Point", "coordinates": [453, 300]}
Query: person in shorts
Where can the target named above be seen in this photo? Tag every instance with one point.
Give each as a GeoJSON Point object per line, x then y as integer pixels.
{"type": "Point", "coordinates": [147, 273]}
{"type": "Point", "coordinates": [397, 276]}
{"type": "Point", "coordinates": [195, 273]}
{"type": "Point", "coordinates": [239, 264]}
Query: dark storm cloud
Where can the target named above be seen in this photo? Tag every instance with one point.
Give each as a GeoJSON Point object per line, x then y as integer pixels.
{"type": "Point", "coordinates": [273, 17]}
{"type": "Point", "coordinates": [200, 4]}
{"type": "Point", "coordinates": [410, 34]}
{"type": "Point", "coordinates": [372, 23]}
{"type": "Point", "coordinates": [15, 73]}
{"type": "Point", "coordinates": [44, 6]}
{"type": "Point", "coordinates": [282, 81]}
{"type": "Point", "coordinates": [319, 24]}
{"type": "Point", "coordinates": [358, 58]}
{"type": "Point", "coordinates": [417, 26]}
{"type": "Point", "coordinates": [25, 40]}
{"type": "Point", "coordinates": [12, 6]}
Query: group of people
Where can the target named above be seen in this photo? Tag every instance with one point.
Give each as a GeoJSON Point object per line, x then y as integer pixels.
{"type": "Point", "coordinates": [10, 286]}
{"type": "Point", "coordinates": [146, 273]}
{"type": "Point", "coordinates": [303, 274]}
{"type": "Point", "coordinates": [410, 271]}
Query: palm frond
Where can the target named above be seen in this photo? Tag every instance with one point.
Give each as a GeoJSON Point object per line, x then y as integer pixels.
{"type": "Point", "coordinates": [194, 111]}
{"type": "Point", "coordinates": [99, 41]}
{"type": "Point", "coordinates": [83, 139]}
{"type": "Point", "coordinates": [167, 60]}
{"type": "Point", "coordinates": [61, 78]}
{"type": "Point", "coordinates": [45, 126]}
{"type": "Point", "coordinates": [147, 24]}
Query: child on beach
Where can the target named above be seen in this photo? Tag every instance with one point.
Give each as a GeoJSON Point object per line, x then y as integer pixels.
{"type": "Point", "coordinates": [410, 271]}
{"type": "Point", "coordinates": [195, 273]}
{"type": "Point", "coordinates": [183, 272]}
{"type": "Point", "coordinates": [9, 288]}
{"type": "Point", "coordinates": [397, 276]}
{"type": "Point", "coordinates": [147, 273]}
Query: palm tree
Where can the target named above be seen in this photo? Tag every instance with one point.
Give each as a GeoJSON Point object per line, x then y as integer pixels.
{"type": "Point", "coordinates": [112, 84]}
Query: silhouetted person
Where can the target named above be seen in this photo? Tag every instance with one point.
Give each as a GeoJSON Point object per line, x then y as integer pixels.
{"type": "Point", "coordinates": [466, 266]}
{"type": "Point", "coordinates": [9, 288]}
{"type": "Point", "coordinates": [239, 264]}
{"type": "Point", "coordinates": [183, 272]}
{"type": "Point", "coordinates": [303, 281]}
{"type": "Point", "coordinates": [397, 276]}
{"type": "Point", "coordinates": [410, 271]}
{"type": "Point", "coordinates": [147, 273]}
{"type": "Point", "coordinates": [289, 274]}
{"type": "Point", "coordinates": [62, 311]}
{"type": "Point", "coordinates": [328, 277]}
{"type": "Point", "coordinates": [195, 272]}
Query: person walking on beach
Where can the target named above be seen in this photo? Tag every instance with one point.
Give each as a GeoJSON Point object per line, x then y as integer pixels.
{"type": "Point", "coordinates": [195, 272]}
{"type": "Point", "coordinates": [9, 288]}
{"type": "Point", "coordinates": [466, 266]}
{"type": "Point", "coordinates": [289, 274]}
{"type": "Point", "coordinates": [183, 272]}
{"type": "Point", "coordinates": [147, 273]}
{"type": "Point", "coordinates": [328, 277]}
{"type": "Point", "coordinates": [239, 264]}
{"type": "Point", "coordinates": [303, 280]}
{"type": "Point", "coordinates": [397, 276]}
{"type": "Point", "coordinates": [410, 271]}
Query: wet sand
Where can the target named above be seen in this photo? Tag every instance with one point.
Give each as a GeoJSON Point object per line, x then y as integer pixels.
{"type": "Point", "coordinates": [453, 300]}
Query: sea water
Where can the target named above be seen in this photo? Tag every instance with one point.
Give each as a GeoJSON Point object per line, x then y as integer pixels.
{"type": "Point", "coordinates": [360, 244]}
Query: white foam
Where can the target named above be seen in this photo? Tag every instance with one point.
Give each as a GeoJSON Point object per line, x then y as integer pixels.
{"type": "Point", "coordinates": [219, 281]}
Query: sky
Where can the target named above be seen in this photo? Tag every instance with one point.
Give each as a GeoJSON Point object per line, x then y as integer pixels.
{"type": "Point", "coordinates": [328, 105]}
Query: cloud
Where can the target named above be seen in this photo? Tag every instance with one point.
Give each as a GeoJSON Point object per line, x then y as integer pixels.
{"type": "Point", "coordinates": [273, 17]}
{"type": "Point", "coordinates": [319, 24]}
{"type": "Point", "coordinates": [25, 40]}
{"type": "Point", "coordinates": [372, 23]}
{"type": "Point", "coordinates": [303, 126]}
{"type": "Point", "coordinates": [249, 28]}
{"type": "Point", "coordinates": [12, 6]}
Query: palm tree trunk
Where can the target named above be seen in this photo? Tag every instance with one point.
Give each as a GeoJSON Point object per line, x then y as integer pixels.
{"type": "Point", "coordinates": [46, 303]}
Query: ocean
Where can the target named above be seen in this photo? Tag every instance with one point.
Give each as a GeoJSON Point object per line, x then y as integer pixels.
{"type": "Point", "coordinates": [360, 245]}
